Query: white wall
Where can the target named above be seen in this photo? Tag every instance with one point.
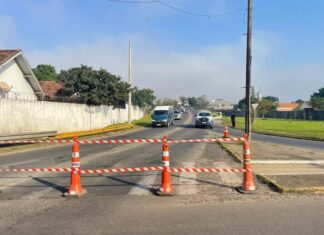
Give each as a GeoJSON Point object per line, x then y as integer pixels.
{"type": "Point", "coordinates": [21, 116]}
{"type": "Point", "coordinates": [12, 74]}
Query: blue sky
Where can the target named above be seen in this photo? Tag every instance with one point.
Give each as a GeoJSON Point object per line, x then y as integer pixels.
{"type": "Point", "coordinates": [175, 53]}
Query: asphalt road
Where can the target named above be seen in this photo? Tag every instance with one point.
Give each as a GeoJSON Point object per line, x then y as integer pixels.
{"type": "Point", "coordinates": [31, 203]}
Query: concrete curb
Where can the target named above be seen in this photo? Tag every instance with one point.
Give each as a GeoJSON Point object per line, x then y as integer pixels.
{"type": "Point", "coordinates": [274, 186]}
{"type": "Point", "coordinates": [113, 128]}
{"type": "Point", "coordinates": [27, 147]}
{"type": "Point", "coordinates": [306, 190]}
{"type": "Point", "coordinates": [270, 183]}
{"type": "Point", "coordinates": [232, 154]}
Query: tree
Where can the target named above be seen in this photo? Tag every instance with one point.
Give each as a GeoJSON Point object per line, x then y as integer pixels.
{"type": "Point", "coordinates": [265, 106]}
{"type": "Point", "coordinates": [95, 87]}
{"type": "Point", "coordinates": [271, 98]}
{"type": "Point", "coordinates": [183, 99]}
{"type": "Point", "coordinates": [167, 101]}
{"type": "Point", "coordinates": [192, 101]}
{"type": "Point", "coordinates": [202, 102]}
{"type": "Point", "coordinates": [241, 104]}
{"type": "Point", "coordinates": [317, 99]}
{"type": "Point", "coordinates": [45, 72]}
{"type": "Point", "coordinates": [299, 101]}
{"type": "Point", "coordinates": [143, 97]}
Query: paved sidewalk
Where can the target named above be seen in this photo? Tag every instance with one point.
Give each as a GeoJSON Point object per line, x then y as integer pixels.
{"type": "Point", "coordinates": [288, 169]}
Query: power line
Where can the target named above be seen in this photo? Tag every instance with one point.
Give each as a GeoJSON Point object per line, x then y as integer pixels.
{"type": "Point", "coordinates": [177, 8]}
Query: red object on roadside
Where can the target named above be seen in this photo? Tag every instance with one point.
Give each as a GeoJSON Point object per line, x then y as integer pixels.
{"type": "Point", "coordinates": [226, 132]}
{"type": "Point", "coordinates": [248, 182]}
{"type": "Point", "coordinates": [76, 188]}
{"type": "Point", "coordinates": [166, 186]}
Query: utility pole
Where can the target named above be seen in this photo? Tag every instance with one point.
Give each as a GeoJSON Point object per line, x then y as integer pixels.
{"type": "Point", "coordinates": [248, 72]}
{"type": "Point", "coordinates": [130, 82]}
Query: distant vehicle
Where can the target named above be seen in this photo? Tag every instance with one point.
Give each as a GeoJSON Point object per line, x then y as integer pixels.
{"type": "Point", "coordinates": [162, 116]}
{"type": "Point", "coordinates": [177, 114]}
{"type": "Point", "coordinates": [204, 119]}
{"type": "Point", "coordinates": [183, 110]}
{"type": "Point", "coordinates": [186, 103]}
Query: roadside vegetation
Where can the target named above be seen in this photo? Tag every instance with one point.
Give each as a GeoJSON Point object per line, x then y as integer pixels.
{"type": "Point", "coordinates": [313, 130]}
{"type": "Point", "coordinates": [145, 121]}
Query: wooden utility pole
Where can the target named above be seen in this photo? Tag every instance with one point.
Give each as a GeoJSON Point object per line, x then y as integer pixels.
{"type": "Point", "coordinates": [248, 72]}
{"type": "Point", "coordinates": [130, 83]}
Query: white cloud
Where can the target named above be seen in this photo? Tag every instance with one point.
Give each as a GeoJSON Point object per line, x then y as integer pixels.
{"type": "Point", "coordinates": [218, 72]}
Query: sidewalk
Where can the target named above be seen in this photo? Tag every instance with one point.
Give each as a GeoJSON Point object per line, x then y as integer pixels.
{"type": "Point", "coordinates": [287, 169]}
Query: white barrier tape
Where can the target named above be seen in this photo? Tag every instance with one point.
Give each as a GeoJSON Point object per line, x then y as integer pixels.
{"type": "Point", "coordinates": [132, 169]}
{"type": "Point", "coordinates": [126, 141]}
{"type": "Point", "coordinates": [36, 170]}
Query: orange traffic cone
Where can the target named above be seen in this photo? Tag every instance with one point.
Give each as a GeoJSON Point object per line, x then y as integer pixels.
{"type": "Point", "coordinates": [248, 182]}
{"type": "Point", "coordinates": [75, 186]}
{"type": "Point", "coordinates": [166, 186]}
{"type": "Point", "coordinates": [226, 132]}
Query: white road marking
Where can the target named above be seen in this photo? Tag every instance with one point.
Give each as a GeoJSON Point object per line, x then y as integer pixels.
{"type": "Point", "coordinates": [227, 177]}
{"type": "Point", "coordinates": [293, 173]}
{"type": "Point", "coordinates": [145, 185]}
{"type": "Point", "coordinates": [287, 162]}
{"type": "Point", "coordinates": [188, 181]}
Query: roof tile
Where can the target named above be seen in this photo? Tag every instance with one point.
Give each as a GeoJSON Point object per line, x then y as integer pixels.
{"type": "Point", "coordinates": [5, 55]}
{"type": "Point", "coordinates": [50, 88]}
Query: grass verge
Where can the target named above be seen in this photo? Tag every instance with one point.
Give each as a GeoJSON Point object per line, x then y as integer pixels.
{"type": "Point", "coordinates": [145, 121]}
{"type": "Point", "coordinates": [303, 129]}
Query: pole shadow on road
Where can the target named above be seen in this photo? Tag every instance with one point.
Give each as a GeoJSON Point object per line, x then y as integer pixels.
{"type": "Point", "coordinates": [152, 190]}
{"type": "Point", "coordinates": [186, 126]}
{"type": "Point", "coordinates": [50, 184]}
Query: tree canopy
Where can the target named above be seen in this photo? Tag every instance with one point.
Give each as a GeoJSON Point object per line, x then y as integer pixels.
{"type": "Point", "coordinates": [167, 101]}
{"type": "Point", "coordinates": [265, 106]}
{"type": "Point", "coordinates": [317, 99]}
{"type": "Point", "coordinates": [45, 72]}
{"type": "Point", "coordinates": [271, 98]}
{"type": "Point", "coordinates": [143, 98]}
{"type": "Point", "coordinates": [95, 87]}
{"type": "Point", "coordinates": [200, 102]}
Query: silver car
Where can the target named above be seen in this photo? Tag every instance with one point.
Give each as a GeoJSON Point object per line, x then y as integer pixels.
{"type": "Point", "coordinates": [177, 114]}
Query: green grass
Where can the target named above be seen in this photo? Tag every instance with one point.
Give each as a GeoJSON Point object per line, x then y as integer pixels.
{"type": "Point", "coordinates": [144, 121]}
{"type": "Point", "coordinates": [284, 127]}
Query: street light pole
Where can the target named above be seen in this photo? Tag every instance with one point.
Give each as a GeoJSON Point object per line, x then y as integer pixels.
{"type": "Point", "coordinates": [248, 72]}
{"type": "Point", "coordinates": [130, 83]}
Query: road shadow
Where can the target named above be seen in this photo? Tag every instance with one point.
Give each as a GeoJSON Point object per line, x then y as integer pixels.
{"type": "Point", "coordinates": [50, 184]}
{"type": "Point", "coordinates": [190, 126]}
{"type": "Point", "coordinates": [129, 183]}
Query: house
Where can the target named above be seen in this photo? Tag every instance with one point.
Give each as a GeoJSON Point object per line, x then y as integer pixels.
{"type": "Point", "coordinates": [285, 107]}
{"type": "Point", "coordinates": [220, 105]}
{"type": "Point", "coordinates": [306, 106]}
{"type": "Point", "coordinates": [17, 80]}
{"type": "Point", "coordinates": [50, 88]}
